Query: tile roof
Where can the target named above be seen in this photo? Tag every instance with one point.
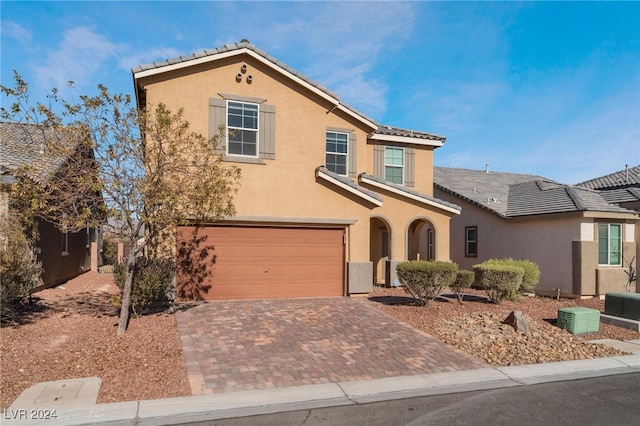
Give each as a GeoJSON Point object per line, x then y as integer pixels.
{"type": "Point", "coordinates": [411, 192]}
{"type": "Point", "coordinates": [622, 178]}
{"type": "Point", "coordinates": [515, 195]}
{"type": "Point", "coordinates": [621, 195]}
{"type": "Point", "coordinates": [395, 131]}
{"type": "Point", "coordinates": [25, 145]}
{"type": "Point", "coordinates": [244, 44]}
{"type": "Point", "coordinates": [487, 190]}
{"type": "Point", "coordinates": [348, 182]}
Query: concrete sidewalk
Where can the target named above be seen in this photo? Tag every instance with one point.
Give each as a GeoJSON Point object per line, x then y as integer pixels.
{"type": "Point", "coordinates": [73, 401]}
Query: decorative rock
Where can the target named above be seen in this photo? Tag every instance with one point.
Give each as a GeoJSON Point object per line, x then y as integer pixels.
{"type": "Point", "coordinates": [518, 322]}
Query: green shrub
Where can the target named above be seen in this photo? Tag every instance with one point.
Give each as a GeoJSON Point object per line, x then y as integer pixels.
{"type": "Point", "coordinates": [531, 270]}
{"type": "Point", "coordinates": [109, 250]}
{"type": "Point", "coordinates": [463, 281]}
{"type": "Point", "coordinates": [499, 281]}
{"type": "Point", "coordinates": [424, 280]}
{"type": "Point", "coordinates": [152, 281]}
{"type": "Point", "coordinates": [20, 271]}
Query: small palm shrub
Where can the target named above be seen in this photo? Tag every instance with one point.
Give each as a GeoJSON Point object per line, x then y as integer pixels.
{"type": "Point", "coordinates": [463, 281]}
{"type": "Point", "coordinates": [499, 281]}
{"type": "Point", "coordinates": [152, 281]}
{"type": "Point", "coordinates": [20, 271]}
{"type": "Point", "coordinates": [424, 280]}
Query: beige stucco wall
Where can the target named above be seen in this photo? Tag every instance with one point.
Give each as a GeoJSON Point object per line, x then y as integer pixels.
{"type": "Point", "coordinates": [564, 247]}
{"type": "Point", "coordinates": [287, 186]}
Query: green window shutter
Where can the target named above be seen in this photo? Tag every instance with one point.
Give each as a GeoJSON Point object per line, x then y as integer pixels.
{"type": "Point", "coordinates": [410, 169]}
{"type": "Point", "coordinates": [267, 132]}
{"type": "Point", "coordinates": [603, 243]}
{"type": "Point", "coordinates": [353, 150]}
{"type": "Point", "coordinates": [378, 161]}
{"type": "Point", "coordinates": [218, 118]}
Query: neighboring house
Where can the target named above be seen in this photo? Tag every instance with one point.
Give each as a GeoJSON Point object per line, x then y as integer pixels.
{"type": "Point", "coordinates": [621, 188]}
{"type": "Point", "coordinates": [329, 200]}
{"type": "Point", "coordinates": [579, 240]}
{"type": "Point", "coordinates": [64, 255]}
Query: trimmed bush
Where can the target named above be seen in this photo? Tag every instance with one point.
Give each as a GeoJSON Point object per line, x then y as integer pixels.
{"type": "Point", "coordinates": [463, 280]}
{"type": "Point", "coordinates": [109, 250]}
{"type": "Point", "coordinates": [531, 276]}
{"type": "Point", "coordinates": [424, 280]}
{"type": "Point", "coordinates": [20, 271]}
{"type": "Point", "coordinates": [152, 281]}
{"type": "Point", "coordinates": [499, 281]}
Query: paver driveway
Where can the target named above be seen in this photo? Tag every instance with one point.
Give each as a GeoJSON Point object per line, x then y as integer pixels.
{"type": "Point", "coordinates": [245, 345]}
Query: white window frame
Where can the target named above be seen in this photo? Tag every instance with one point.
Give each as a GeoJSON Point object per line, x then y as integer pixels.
{"type": "Point", "coordinates": [231, 128]}
{"type": "Point", "coordinates": [402, 168]}
{"type": "Point", "coordinates": [345, 155]}
{"type": "Point", "coordinates": [620, 243]}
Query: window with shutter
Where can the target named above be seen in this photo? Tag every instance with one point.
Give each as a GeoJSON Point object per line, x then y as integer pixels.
{"type": "Point", "coordinates": [248, 127]}
{"type": "Point", "coordinates": [394, 164]}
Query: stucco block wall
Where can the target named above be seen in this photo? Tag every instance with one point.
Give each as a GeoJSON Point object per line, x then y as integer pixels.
{"type": "Point", "coordinates": [360, 277]}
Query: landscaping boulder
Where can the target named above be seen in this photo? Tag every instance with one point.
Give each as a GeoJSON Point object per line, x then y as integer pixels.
{"type": "Point", "coordinates": [518, 322]}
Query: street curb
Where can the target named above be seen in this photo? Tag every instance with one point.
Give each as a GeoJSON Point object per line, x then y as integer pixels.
{"type": "Point", "coordinates": [240, 404]}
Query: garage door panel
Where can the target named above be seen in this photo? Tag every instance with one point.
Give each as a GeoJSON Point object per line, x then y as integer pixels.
{"type": "Point", "coordinates": [299, 262]}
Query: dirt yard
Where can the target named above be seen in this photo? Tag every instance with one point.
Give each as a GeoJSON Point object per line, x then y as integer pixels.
{"type": "Point", "coordinates": [71, 332]}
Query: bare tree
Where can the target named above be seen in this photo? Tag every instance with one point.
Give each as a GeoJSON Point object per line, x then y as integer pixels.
{"type": "Point", "coordinates": [153, 172]}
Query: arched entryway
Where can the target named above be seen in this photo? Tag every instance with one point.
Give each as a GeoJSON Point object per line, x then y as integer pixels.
{"type": "Point", "coordinates": [379, 247]}
{"type": "Point", "coordinates": [421, 240]}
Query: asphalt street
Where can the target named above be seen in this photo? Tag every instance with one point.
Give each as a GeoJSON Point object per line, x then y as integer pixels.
{"type": "Point", "coordinates": [606, 401]}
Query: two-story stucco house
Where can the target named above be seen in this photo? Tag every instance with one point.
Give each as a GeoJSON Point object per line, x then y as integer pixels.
{"type": "Point", "coordinates": [329, 200]}
{"type": "Point", "coordinates": [582, 242]}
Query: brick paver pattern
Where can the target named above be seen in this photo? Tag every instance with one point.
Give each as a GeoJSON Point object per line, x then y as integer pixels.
{"type": "Point", "coordinates": [260, 344]}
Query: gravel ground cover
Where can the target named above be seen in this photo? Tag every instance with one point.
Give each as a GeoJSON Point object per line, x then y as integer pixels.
{"type": "Point", "coordinates": [71, 332]}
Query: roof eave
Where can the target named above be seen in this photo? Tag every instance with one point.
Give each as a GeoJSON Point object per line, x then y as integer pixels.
{"type": "Point", "coordinates": [407, 140]}
{"type": "Point", "coordinates": [247, 51]}
{"type": "Point", "coordinates": [364, 179]}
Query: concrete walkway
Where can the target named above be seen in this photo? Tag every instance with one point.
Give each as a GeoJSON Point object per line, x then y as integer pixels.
{"type": "Point", "coordinates": [25, 411]}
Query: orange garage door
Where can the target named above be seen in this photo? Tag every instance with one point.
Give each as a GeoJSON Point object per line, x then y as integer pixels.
{"type": "Point", "coordinates": [261, 262]}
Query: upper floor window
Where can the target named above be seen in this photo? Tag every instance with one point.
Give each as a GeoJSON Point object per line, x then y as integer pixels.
{"type": "Point", "coordinates": [242, 128]}
{"type": "Point", "coordinates": [471, 241]}
{"type": "Point", "coordinates": [609, 244]}
{"type": "Point", "coordinates": [394, 165]}
{"type": "Point", "coordinates": [337, 152]}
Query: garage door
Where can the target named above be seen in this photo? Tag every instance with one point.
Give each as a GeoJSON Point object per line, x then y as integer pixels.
{"type": "Point", "coordinates": [262, 262]}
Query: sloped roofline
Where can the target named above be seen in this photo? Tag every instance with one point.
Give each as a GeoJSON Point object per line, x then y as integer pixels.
{"type": "Point", "coordinates": [407, 193]}
{"type": "Point", "coordinates": [378, 132]}
{"type": "Point", "coordinates": [246, 48]}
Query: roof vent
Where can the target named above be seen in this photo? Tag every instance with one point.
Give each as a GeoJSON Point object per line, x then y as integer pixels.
{"type": "Point", "coordinates": [486, 168]}
{"type": "Point", "coordinates": [244, 40]}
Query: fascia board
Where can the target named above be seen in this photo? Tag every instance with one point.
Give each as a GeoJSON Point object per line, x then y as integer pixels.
{"type": "Point", "coordinates": [406, 139]}
{"type": "Point", "coordinates": [336, 182]}
{"type": "Point", "coordinates": [408, 195]}
{"type": "Point", "coordinates": [260, 58]}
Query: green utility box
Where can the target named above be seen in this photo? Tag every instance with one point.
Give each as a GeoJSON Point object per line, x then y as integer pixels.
{"type": "Point", "coordinates": [579, 320]}
{"type": "Point", "coordinates": [624, 305]}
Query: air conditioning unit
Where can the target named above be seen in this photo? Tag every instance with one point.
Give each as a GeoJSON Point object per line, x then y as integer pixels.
{"type": "Point", "coordinates": [579, 320]}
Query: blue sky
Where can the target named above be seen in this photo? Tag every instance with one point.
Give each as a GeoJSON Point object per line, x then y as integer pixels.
{"type": "Point", "coordinates": [544, 88]}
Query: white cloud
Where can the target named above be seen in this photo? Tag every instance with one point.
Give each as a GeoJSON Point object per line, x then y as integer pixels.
{"type": "Point", "coordinates": [340, 44]}
{"type": "Point", "coordinates": [17, 32]}
{"type": "Point", "coordinates": [81, 54]}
